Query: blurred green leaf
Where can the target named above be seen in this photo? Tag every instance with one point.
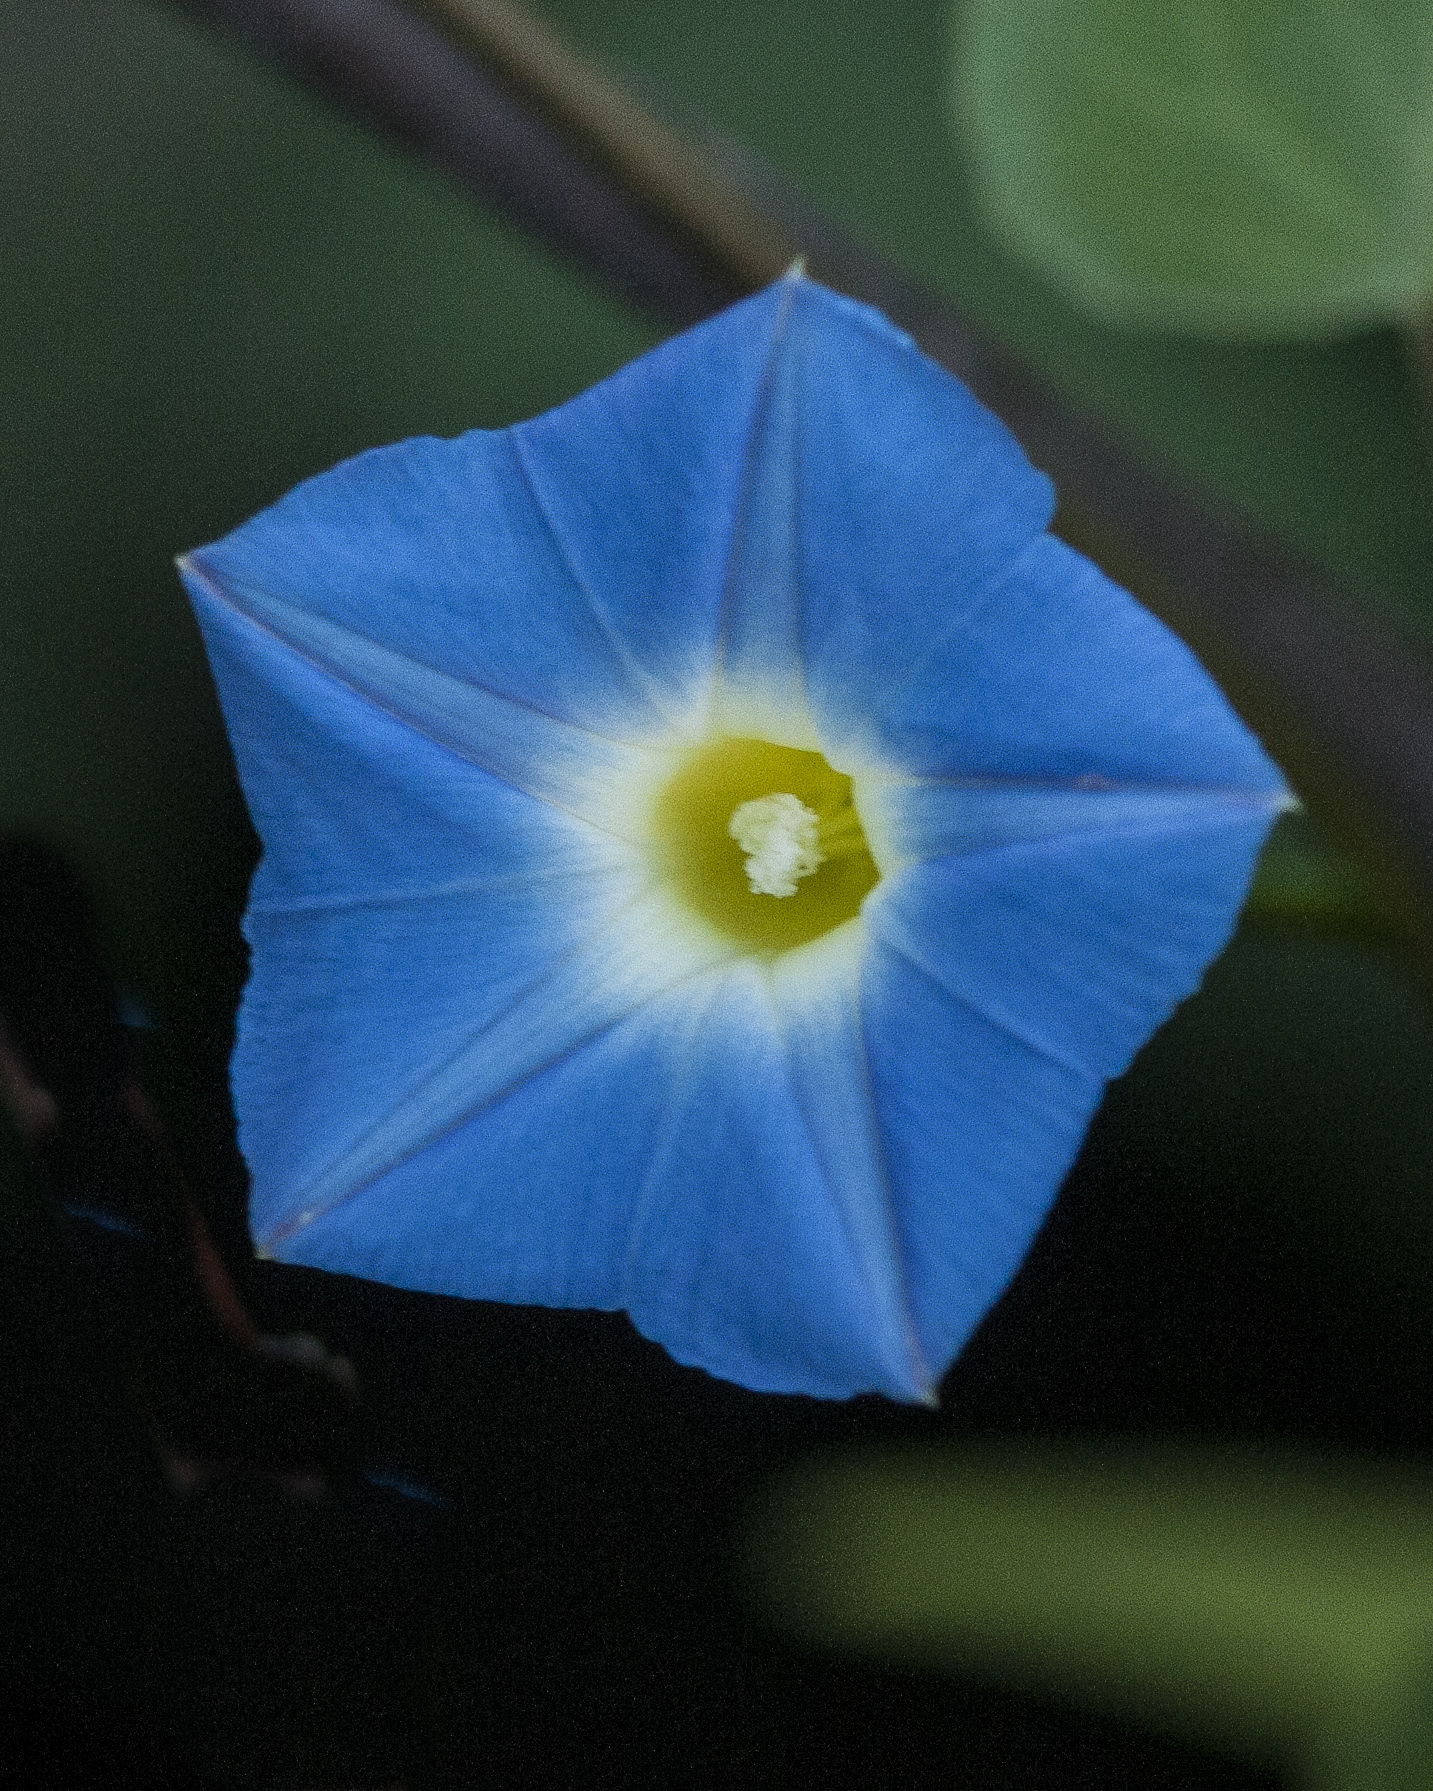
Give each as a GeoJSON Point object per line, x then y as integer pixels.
{"type": "Point", "coordinates": [1245, 170]}
{"type": "Point", "coordinates": [1280, 1608]}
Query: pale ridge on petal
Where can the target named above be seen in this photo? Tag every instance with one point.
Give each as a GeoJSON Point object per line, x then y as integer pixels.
{"type": "Point", "coordinates": [890, 928]}
{"type": "Point", "coordinates": [642, 953]}
{"type": "Point", "coordinates": [941, 817]}
{"type": "Point", "coordinates": [954, 624]}
{"type": "Point", "coordinates": [567, 767]}
{"type": "Point", "coordinates": [816, 998]}
{"type": "Point", "coordinates": [758, 688]}
{"type": "Point", "coordinates": [542, 880]}
{"type": "Point", "coordinates": [648, 685]}
{"type": "Point", "coordinates": [677, 1094]}
{"type": "Point", "coordinates": [1079, 945]}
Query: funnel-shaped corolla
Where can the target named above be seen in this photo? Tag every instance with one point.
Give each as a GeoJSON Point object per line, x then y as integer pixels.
{"type": "Point", "coordinates": [717, 845]}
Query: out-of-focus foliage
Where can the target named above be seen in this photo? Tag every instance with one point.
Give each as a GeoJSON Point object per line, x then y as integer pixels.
{"type": "Point", "coordinates": [1251, 170]}
{"type": "Point", "coordinates": [1279, 1608]}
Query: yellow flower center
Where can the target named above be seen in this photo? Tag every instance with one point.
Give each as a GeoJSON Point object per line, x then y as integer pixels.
{"type": "Point", "coordinates": [763, 842]}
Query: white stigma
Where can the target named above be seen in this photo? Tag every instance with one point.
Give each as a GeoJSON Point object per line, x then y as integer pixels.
{"type": "Point", "coordinates": [778, 835]}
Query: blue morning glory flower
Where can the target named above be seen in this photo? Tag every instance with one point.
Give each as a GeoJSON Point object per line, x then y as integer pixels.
{"type": "Point", "coordinates": [717, 845]}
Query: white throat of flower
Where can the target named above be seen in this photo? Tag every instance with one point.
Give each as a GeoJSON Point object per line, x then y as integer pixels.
{"type": "Point", "coordinates": [778, 835]}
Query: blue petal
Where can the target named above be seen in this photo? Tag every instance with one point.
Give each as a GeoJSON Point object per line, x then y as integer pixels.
{"type": "Point", "coordinates": [530, 1198]}
{"type": "Point", "coordinates": [570, 767]}
{"type": "Point", "coordinates": [1081, 944]}
{"type": "Point", "coordinates": [354, 806]}
{"type": "Point", "coordinates": [745, 1260]}
{"type": "Point", "coordinates": [933, 819]}
{"type": "Point", "coordinates": [663, 1167]}
{"type": "Point", "coordinates": [346, 1012]}
{"type": "Point", "coordinates": [403, 897]}
{"type": "Point", "coordinates": [440, 551]}
{"type": "Point", "coordinates": [1058, 674]}
{"type": "Point", "coordinates": [816, 996]}
{"type": "Point", "coordinates": [639, 953]}
{"type": "Point", "coordinates": [979, 1129]}
{"type": "Point", "coordinates": [760, 689]}
{"type": "Point", "coordinates": [640, 479]}
{"type": "Point", "coordinates": [479, 1054]}
{"type": "Point", "coordinates": [912, 502]}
